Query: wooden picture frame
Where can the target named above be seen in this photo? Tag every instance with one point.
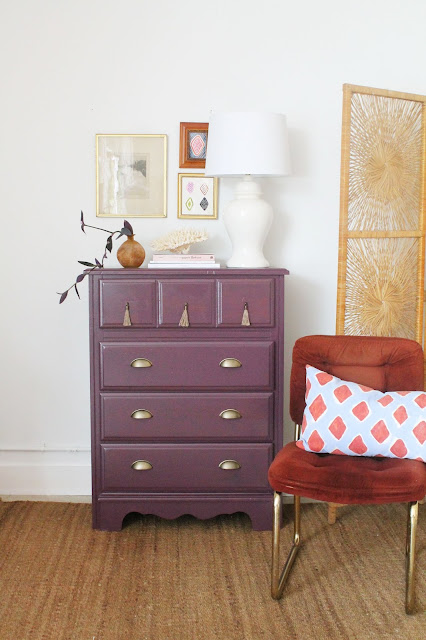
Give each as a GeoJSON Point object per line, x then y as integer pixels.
{"type": "Point", "coordinates": [197, 196]}
{"type": "Point", "coordinates": [193, 144]}
{"type": "Point", "coordinates": [131, 175]}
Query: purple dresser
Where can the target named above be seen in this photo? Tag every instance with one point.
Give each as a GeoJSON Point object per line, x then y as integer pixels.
{"type": "Point", "coordinates": [185, 419]}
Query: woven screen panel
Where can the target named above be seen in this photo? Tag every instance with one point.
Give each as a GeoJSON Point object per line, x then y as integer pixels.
{"type": "Point", "coordinates": [382, 214]}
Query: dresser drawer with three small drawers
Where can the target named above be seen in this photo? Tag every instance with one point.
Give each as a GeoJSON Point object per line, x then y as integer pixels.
{"type": "Point", "coordinates": [209, 302]}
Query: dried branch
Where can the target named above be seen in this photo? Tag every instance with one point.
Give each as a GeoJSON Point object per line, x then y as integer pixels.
{"type": "Point", "coordinates": [126, 230]}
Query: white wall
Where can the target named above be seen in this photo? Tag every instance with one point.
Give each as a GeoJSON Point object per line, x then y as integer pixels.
{"type": "Point", "coordinates": [72, 68]}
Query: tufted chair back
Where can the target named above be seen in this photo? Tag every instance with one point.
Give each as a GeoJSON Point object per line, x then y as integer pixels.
{"type": "Point", "coordinates": [385, 364]}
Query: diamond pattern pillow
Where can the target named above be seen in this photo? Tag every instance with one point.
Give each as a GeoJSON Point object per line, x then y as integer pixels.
{"type": "Point", "coordinates": [347, 418]}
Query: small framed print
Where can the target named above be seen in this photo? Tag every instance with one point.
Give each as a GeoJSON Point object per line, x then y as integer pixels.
{"type": "Point", "coordinates": [197, 196]}
{"type": "Point", "coordinates": [193, 145]}
{"type": "Point", "coordinates": [131, 176]}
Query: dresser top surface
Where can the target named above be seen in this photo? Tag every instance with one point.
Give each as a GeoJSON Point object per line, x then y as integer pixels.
{"type": "Point", "coordinates": [223, 271]}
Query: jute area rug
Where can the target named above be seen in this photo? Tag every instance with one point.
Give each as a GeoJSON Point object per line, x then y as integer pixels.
{"type": "Point", "coordinates": [193, 580]}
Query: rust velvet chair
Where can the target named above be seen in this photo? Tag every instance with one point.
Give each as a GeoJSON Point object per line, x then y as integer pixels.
{"type": "Point", "coordinates": [385, 364]}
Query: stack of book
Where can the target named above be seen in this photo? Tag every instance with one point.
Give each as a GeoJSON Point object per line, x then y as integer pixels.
{"type": "Point", "coordinates": [183, 261]}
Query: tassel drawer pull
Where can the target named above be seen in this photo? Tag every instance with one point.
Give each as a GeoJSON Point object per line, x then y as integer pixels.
{"type": "Point", "coordinates": [184, 319]}
{"type": "Point", "coordinates": [141, 414]}
{"type": "Point", "coordinates": [230, 414]}
{"type": "Point", "coordinates": [232, 363]}
{"type": "Point", "coordinates": [141, 362]}
{"type": "Point", "coordinates": [127, 322]}
{"type": "Point", "coordinates": [141, 465]}
{"type": "Point", "coordinates": [245, 321]}
{"type": "Point", "coordinates": [229, 464]}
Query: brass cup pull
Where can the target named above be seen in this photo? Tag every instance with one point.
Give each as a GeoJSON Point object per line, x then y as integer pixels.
{"type": "Point", "coordinates": [141, 414]}
{"type": "Point", "coordinates": [232, 363]}
{"type": "Point", "coordinates": [141, 465]}
{"type": "Point", "coordinates": [141, 362]}
{"type": "Point", "coordinates": [229, 464]}
{"type": "Point", "coordinates": [230, 414]}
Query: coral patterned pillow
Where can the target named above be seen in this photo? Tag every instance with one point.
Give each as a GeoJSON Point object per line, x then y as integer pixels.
{"type": "Point", "coordinates": [347, 418]}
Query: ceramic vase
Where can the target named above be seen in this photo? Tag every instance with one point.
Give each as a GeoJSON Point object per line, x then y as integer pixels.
{"type": "Point", "coordinates": [131, 254]}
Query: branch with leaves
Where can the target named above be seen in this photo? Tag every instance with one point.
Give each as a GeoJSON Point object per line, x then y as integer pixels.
{"type": "Point", "coordinates": [126, 230]}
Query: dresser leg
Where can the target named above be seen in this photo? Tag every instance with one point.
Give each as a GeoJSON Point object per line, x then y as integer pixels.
{"type": "Point", "coordinates": [261, 516]}
{"type": "Point", "coordinates": [108, 517]}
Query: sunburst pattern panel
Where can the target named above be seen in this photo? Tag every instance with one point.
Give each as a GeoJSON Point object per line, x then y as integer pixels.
{"type": "Point", "coordinates": [381, 291]}
{"type": "Point", "coordinates": [385, 163]}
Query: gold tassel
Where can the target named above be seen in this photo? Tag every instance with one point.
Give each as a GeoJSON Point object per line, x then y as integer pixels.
{"type": "Point", "coordinates": [127, 322]}
{"type": "Point", "coordinates": [245, 322]}
{"type": "Point", "coordinates": [184, 321]}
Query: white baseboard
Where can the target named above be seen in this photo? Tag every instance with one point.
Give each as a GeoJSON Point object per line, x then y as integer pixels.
{"type": "Point", "coordinates": [45, 473]}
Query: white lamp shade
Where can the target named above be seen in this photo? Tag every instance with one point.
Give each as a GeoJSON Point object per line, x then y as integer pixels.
{"type": "Point", "coordinates": [241, 143]}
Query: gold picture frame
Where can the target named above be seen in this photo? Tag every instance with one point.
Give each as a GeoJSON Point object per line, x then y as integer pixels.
{"type": "Point", "coordinates": [131, 175]}
{"type": "Point", "coordinates": [197, 196]}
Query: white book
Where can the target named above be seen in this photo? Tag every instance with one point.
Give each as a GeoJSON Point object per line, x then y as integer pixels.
{"type": "Point", "coordinates": [183, 265]}
{"type": "Point", "coordinates": [183, 257]}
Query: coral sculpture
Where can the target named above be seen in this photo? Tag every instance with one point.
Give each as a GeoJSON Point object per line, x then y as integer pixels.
{"type": "Point", "coordinates": [179, 241]}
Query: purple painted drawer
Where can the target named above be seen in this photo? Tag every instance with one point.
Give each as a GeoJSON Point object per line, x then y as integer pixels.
{"type": "Point", "coordinates": [187, 364]}
{"type": "Point", "coordinates": [203, 416]}
{"type": "Point", "coordinates": [199, 295]}
{"type": "Point", "coordinates": [138, 294]}
{"type": "Point", "coordinates": [257, 294]}
{"type": "Point", "coordinates": [178, 467]}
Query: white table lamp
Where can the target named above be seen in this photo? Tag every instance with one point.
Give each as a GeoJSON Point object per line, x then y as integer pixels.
{"type": "Point", "coordinates": [247, 144]}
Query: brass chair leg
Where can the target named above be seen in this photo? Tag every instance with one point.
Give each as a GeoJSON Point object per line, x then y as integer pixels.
{"type": "Point", "coordinates": [413, 512]}
{"type": "Point", "coordinates": [278, 581]}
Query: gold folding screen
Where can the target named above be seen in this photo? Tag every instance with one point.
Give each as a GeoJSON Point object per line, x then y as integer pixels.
{"type": "Point", "coordinates": [382, 214]}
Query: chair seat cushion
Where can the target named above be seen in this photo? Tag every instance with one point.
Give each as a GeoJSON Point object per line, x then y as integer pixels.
{"type": "Point", "coordinates": [347, 479]}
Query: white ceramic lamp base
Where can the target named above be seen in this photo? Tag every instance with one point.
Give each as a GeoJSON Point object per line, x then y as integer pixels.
{"type": "Point", "coordinates": [248, 219]}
